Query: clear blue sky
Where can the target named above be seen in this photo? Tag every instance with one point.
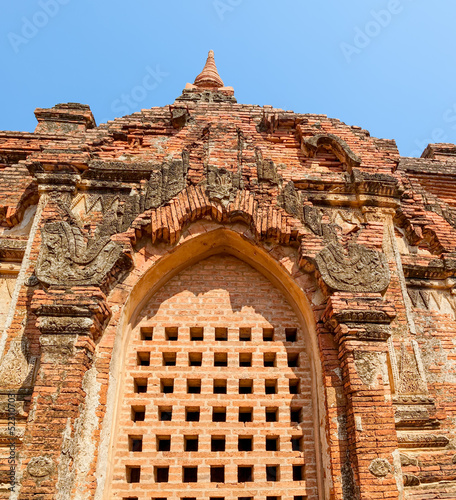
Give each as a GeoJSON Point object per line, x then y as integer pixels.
{"type": "Point", "coordinates": [386, 65]}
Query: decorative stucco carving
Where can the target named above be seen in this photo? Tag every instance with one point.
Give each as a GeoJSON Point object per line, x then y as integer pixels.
{"type": "Point", "coordinates": [31, 281]}
{"type": "Point", "coordinates": [380, 467]}
{"type": "Point", "coordinates": [266, 169]}
{"type": "Point", "coordinates": [410, 480]}
{"type": "Point", "coordinates": [350, 491]}
{"type": "Point", "coordinates": [339, 147]}
{"type": "Point", "coordinates": [373, 332]}
{"type": "Point", "coordinates": [416, 411]}
{"type": "Point", "coordinates": [375, 183]}
{"type": "Point", "coordinates": [205, 96]}
{"type": "Point", "coordinates": [40, 467]}
{"type": "Point", "coordinates": [166, 182]}
{"type": "Point", "coordinates": [413, 399]}
{"type": "Point", "coordinates": [12, 249]}
{"type": "Point", "coordinates": [441, 300]}
{"type": "Point", "coordinates": [5, 433]}
{"type": "Point", "coordinates": [57, 348]}
{"type": "Point", "coordinates": [7, 283]}
{"type": "Point", "coordinates": [369, 366]}
{"type": "Point", "coordinates": [406, 460]}
{"type": "Point", "coordinates": [67, 259]}
{"type": "Point", "coordinates": [420, 440]}
{"type": "Point", "coordinates": [17, 368]}
{"type": "Point", "coordinates": [289, 200]}
{"type": "Point", "coordinates": [358, 269]}
{"type": "Point", "coordinates": [348, 222]}
{"type": "Point", "coordinates": [312, 218]}
{"type": "Point", "coordinates": [222, 185]}
{"type": "Point", "coordinates": [118, 211]}
{"type": "Point", "coordinates": [363, 316]}
{"type": "Point", "coordinates": [410, 381]}
{"type": "Point", "coordinates": [406, 417]}
{"type": "Point", "coordinates": [64, 325]}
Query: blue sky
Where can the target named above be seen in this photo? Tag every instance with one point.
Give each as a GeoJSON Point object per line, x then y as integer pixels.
{"type": "Point", "coordinates": [385, 65]}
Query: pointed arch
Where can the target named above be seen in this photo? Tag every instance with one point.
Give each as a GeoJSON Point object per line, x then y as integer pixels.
{"type": "Point", "coordinates": [220, 240]}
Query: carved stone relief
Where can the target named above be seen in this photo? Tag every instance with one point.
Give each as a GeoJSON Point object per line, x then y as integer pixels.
{"type": "Point", "coordinates": [369, 365]}
{"type": "Point", "coordinates": [290, 200]}
{"type": "Point", "coordinates": [420, 440]}
{"type": "Point", "coordinates": [266, 170]}
{"type": "Point", "coordinates": [66, 258]}
{"type": "Point", "coordinates": [222, 185]}
{"type": "Point", "coordinates": [17, 368]}
{"type": "Point", "coordinates": [380, 467]}
{"type": "Point", "coordinates": [166, 182]}
{"type": "Point", "coordinates": [40, 467]}
{"type": "Point", "coordinates": [410, 381]}
{"type": "Point", "coordinates": [358, 269]}
{"type": "Point", "coordinates": [338, 146]}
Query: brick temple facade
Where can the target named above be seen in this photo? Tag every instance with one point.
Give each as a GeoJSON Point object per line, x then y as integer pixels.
{"type": "Point", "coordinates": [218, 301]}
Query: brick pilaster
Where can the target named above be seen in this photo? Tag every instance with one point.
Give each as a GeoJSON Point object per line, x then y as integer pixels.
{"type": "Point", "coordinates": [360, 325]}
{"type": "Point", "coordinates": [69, 322]}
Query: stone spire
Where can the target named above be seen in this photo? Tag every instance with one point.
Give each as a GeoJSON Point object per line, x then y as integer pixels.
{"type": "Point", "coordinates": [209, 77]}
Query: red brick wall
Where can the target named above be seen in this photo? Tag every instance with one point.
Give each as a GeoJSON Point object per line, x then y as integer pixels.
{"type": "Point", "coordinates": [216, 293]}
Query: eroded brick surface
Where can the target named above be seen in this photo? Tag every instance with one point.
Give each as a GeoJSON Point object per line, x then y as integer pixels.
{"type": "Point", "coordinates": [209, 215]}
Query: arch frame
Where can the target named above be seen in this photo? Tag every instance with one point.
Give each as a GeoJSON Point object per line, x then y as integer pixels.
{"type": "Point", "coordinates": [214, 239]}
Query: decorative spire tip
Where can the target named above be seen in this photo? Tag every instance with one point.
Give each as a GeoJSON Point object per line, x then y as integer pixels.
{"type": "Point", "coordinates": [209, 77]}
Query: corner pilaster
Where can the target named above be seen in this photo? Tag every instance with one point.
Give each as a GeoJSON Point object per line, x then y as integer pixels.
{"type": "Point", "coordinates": [360, 324]}
{"type": "Point", "coordinates": [70, 322]}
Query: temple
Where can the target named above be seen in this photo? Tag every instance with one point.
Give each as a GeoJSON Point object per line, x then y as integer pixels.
{"type": "Point", "coordinates": [219, 301]}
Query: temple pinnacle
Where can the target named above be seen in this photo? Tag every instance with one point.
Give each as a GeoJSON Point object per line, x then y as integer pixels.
{"type": "Point", "coordinates": [208, 86]}
{"type": "Point", "coordinates": [209, 77]}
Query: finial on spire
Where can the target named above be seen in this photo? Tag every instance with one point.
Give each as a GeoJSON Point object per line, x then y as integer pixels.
{"type": "Point", "coordinates": [209, 77]}
{"type": "Point", "coordinates": [208, 86]}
